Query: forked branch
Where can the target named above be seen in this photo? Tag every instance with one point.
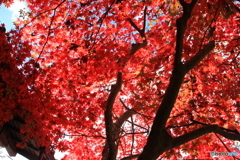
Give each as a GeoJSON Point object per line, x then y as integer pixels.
{"type": "Point", "coordinates": [137, 46]}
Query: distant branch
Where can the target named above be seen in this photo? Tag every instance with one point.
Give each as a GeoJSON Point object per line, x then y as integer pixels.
{"type": "Point", "coordinates": [133, 133]}
{"type": "Point", "coordinates": [43, 13]}
{"type": "Point", "coordinates": [133, 138]}
{"type": "Point", "coordinates": [124, 105]}
{"type": "Point", "coordinates": [186, 125]}
{"type": "Point", "coordinates": [210, 29]}
{"type": "Point", "coordinates": [206, 48]}
{"type": "Point", "coordinates": [100, 22]}
{"type": "Point", "coordinates": [84, 135]}
{"type": "Point", "coordinates": [234, 60]}
{"type": "Point", "coordinates": [224, 144]}
{"type": "Point", "coordinates": [137, 46]}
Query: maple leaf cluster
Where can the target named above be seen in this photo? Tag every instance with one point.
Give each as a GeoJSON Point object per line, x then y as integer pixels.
{"type": "Point", "coordinates": [134, 79]}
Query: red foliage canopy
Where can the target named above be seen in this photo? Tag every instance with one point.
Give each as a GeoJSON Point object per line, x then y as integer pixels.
{"type": "Point", "coordinates": [137, 79]}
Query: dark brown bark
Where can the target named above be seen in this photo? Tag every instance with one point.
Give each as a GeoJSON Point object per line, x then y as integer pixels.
{"type": "Point", "coordinates": [199, 56]}
{"type": "Point", "coordinates": [175, 142]}
{"type": "Point", "coordinates": [112, 147]}
{"type": "Point", "coordinates": [112, 130]}
{"type": "Point", "coordinates": [202, 131]}
{"type": "Point", "coordinates": [159, 139]}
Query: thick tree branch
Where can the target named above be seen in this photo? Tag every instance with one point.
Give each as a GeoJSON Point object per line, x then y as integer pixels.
{"type": "Point", "coordinates": [158, 136]}
{"type": "Point", "coordinates": [202, 131]}
{"type": "Point", "coordinates": [182, 2]}
{"type": "Point", "coordinates": [199, 56]}
{"type": "Point", "coordinates": [232, 6]}
{"type": "Point", "coordinates": [112, 147]}
{"type": "Point", "coordinates": [181, 27]}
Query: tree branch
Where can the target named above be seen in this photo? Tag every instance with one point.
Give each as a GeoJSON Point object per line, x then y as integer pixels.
{"type": "Point", "coordinates": [137, 46]}
{"type": "Point", "coordinates": [202, 131]}
{"type": "Point", "coordinates": [117, 128]}
{"type": "Point", "coordinates": [186, 125]}
{"type": "Point", "coordinates": [133, 109]}
{"type": "Point", "coordinates": [133, 136]}
{"type": "Point", "coordinates": [181, 27]}
{"type": "Point", "coordinates": [158, 136]}
{"type": "Point", "coordinates": [224, 145]}
{"type": "Point", "coordinates": [182, 2]}
{"type": "Point", "coordinates": [228, 130]}
{"type": "Point", "coordinates": [118, 124]}
{"type": "Point", "coordinates": [147, 130]}
{"type": "Point", "coordinates": [141, 32]}
{"type": "Point", "coordinates": [159, 140]}
{"type": "Point", "coordinates": [124, 117]}
{"type": "Point", "coordinates": [131, 157]}
{"type": "Point", "coordinates": [144, 20]}
{"type": "Point", "coordinates": [108, 118]}
{"type": "Point", "coordinates": [84, 135]}
{"type": "Point", "coordinates": [199, 56]}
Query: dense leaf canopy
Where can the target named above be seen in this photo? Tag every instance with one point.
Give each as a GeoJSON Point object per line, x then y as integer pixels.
{"type": "Point", "coordinates": [108, 79]}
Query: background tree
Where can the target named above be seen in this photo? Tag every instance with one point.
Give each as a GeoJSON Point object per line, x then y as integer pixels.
{"type": "Point", "coordinates": [135, 79]}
